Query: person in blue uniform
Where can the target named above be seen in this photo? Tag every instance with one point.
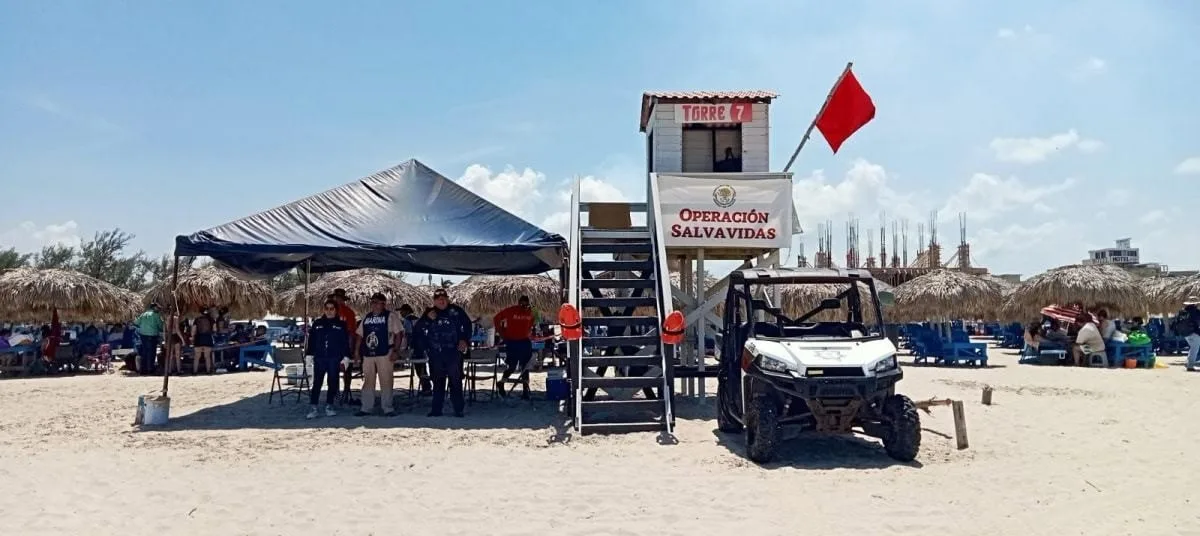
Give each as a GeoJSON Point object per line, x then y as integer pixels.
{"type": "Point", "coordinates": [328, 345]}
{"type": "Point", "coordinates": [380, 335]}
{"type": "Point", "coordinates": [447, 332]}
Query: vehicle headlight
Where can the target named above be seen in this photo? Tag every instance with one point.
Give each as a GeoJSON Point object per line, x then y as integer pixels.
{"type": "Point", "coordinates": [885, 364]}
{"type": "Point", "coordinates": [771, 364]}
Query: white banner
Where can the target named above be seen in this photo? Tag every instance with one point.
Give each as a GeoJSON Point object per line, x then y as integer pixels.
{"type": "Point", "coordinates": [725, 212]}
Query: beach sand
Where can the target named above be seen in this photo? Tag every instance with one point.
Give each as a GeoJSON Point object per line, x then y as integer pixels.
{"type": "Point", "coordinates": [1061, 451]}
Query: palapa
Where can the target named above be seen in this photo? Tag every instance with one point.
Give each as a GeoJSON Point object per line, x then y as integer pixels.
{"type": "Point", "coordinates": [27, 293]}
{"type": "Point", "coordinates": [359, 286]}
{"type": "Point", "coordinates": [484, 296]}
{"type": "Point", "coordinates": [946, 295]}
{"type": "Point", "coordinates": [1093, 285]}
{"type": "Point", "coordinates": [211, 286]}
{"type": "Point", "coordinates": [797, 299]}
{"type": "Point", "coordinates": [1168, 295]}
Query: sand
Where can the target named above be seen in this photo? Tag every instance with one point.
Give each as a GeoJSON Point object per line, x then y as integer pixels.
{"type": "Point", "coordinates": [1061, 451]}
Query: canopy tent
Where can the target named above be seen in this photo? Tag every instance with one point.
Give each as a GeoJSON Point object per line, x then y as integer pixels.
{"type": "Point", "coordinates": [408, 218]}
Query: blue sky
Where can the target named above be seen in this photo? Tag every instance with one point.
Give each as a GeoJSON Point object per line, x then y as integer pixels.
{"type": "Point", "coordinates": [1057, 126]}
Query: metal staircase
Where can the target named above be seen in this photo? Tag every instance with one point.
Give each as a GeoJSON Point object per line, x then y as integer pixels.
{"type": "Point", "coordinates": [621, 371]}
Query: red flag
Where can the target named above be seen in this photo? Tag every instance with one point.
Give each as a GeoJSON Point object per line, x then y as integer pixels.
{"type": "Point", "coordinates": [848, 109]}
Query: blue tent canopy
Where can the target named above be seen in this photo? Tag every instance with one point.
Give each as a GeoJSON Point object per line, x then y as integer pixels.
{"type": "Point", "coordinates": [408, 218]}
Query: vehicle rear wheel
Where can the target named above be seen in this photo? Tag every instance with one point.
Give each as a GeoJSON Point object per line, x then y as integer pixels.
{"type": "Point", "coordinates": [762, 430]}
{"type": "Point", "coordinates": [902, 425]}
{"type": "Point", "coordinates": [726, 422]}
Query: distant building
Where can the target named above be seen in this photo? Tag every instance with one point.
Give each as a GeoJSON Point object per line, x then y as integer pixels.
{"type": "Point", "coordinates": [1123, 255]}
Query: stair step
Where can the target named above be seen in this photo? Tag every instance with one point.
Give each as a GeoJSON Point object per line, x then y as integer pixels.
{"type": "Point", "coordinates": [618, 266]}
{"type": "Point", "coordinates": [635, 229]}
{"type": "Point", "coordinates": [641, 301]}
{"type": "Point", "coordinates": [635, 207]}
{"type": "Point", "coordinates": [617, 342]}
{"type": "Point", "coordinates": [614, 234]}
{"type": "Point", "coordinates": [620, 321]}
{"type": "Point", "coordinates": [615, 247]}
{"type": "Point", "coordinates": [622, 361]}
{"type": "Point", "coordinates": [620, 427]}
{"type": "Point", "coordinates": [617, 283]}
{"type": "Point", "coordinates": [617, 382]}
{"type": "Point", "coordinates": [640, 404]}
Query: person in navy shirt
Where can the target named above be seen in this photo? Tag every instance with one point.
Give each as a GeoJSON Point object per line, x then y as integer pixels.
{"type": "Point", "coordinates": [328, 345]}
{"type": "Point", "coordinates": [380, 335]}
{"type": "Point", "coordinates": [447, 330]}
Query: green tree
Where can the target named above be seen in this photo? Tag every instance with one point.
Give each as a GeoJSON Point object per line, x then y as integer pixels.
{"type": "Point", "coordinates": [163, 268]}
{"type": "Point", "coordinates": [10, 258]}
{"type": "Point", "coordinates": [104, 258]}
{"type": "Point", "coordinates": [54, 256]}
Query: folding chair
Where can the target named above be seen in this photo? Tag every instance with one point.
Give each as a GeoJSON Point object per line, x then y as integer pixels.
{"type": "Point", "coordinates": [473, 375]}
{"type": "Point", "coordinates": [407, 361]}
{"type": "Point", "coordinates": [101, 361]}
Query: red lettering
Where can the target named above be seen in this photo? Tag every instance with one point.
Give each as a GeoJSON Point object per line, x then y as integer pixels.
{"type": "Point", "coordinates": [675, 230]}
{"type": "Point", "coordinates": [771, 232]}
{"type": "Point", "coordinates": [720, 110]}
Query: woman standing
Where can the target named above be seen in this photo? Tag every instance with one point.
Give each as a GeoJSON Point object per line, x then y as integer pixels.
{"type": "Point", "coordinates": [202, 343]}
{"type": "Point", "coordinates": [328, 345]}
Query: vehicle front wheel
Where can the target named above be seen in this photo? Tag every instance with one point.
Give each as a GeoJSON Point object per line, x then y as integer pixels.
{"type": "Point", "coordinates": [725, 419]}
{"type": "Point", "coordinates": [762, 430]}
{"type": "Point", "coordinates": [902, 439]}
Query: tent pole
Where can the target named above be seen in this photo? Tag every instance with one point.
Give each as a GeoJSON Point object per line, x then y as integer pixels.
{"type": "Point", "coordinates": [307, 321]}
{"type": "Point", "coordinates": [175, 309]}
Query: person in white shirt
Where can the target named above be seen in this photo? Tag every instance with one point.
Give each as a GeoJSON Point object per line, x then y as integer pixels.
{"type": "Point", "coordinates": [1107, 326]}
{"type": "Point", "coordinates": [1088, 342]}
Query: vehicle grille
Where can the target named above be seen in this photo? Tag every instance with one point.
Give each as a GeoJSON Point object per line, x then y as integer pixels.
{"type": "Point", "coordinates": [834, 372]}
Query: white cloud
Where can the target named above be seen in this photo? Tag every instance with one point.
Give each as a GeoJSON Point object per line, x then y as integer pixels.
{"type": "Point", "coordinates": [592, 189]}
{"type": "Point", "coordinates": [1117, 197]}
{"type": "Point", "coordinates": [1009, 33]}
{"type": "Point", "coordinates": [1190, 166]}
{"type": "Point", "coordinates": [986, 196]}
{"type": "Point", "coordinates": [1034, 149]}
{"type": "Point", "coordinates": [28, 237]}
{"type": "Point", "coordinates": [1091, 67]}
{"type": "Point", "coordinates": [865, 190]}
{"type": "Point", "coordinates": [518, 192]}
{"type": "Point", "coordinates": [1042, 244]}
{"type": "Point", "coordinates": [1153, 217]}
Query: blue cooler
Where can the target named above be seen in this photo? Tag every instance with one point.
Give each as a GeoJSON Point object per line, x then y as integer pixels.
{"type": "Point", "coordinates": [557, 387]}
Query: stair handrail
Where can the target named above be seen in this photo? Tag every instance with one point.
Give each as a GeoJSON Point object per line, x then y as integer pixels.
{"type": "Point", "coordinates": [662, 294]}
{"type": "Point", "coordinates": [575, 348]}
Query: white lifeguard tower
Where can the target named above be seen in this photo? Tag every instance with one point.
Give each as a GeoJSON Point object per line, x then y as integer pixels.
{"type": "Point", "coordinates": [709, 197]}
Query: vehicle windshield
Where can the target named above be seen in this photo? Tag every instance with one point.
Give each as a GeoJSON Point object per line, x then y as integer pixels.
{"type": "Point", "coordinates": [813, 311]}
{"type": "Point", "coordinates": [285, 323]}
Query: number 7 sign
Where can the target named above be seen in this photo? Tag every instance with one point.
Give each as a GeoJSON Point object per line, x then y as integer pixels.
{"type": "Point", "coordinates": [741, 112]}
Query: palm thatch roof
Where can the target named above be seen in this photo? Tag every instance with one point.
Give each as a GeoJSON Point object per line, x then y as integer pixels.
{"type": "Point", "coordinates": [359, 286]}
{"type": "Point", "coordinates": [1171, 292]}
{"type": "Point", "coordinates": [27, 293]}
{"type": "Point", "coordinates": [484, 296]}
{"type": "Point", "coordinates": [1094, 285]}
{"type": "Point", "coordinates": [946, 294]}
{"type": "Point", "coordinates": [798, 299]}
{"type": "Point", "coordinates": [1161, 293]}
{"type": "Point", "coordinates": [211, 286]}
{"type": "Point", "coordinates": [1006, 286]}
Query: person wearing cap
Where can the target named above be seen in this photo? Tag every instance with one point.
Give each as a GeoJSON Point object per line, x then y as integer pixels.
{"type": "Point", "coordinates": [447, 334]}
{"type": "Point", "coordinates": [515, 325]}
{"type": "Point", "coordinates": [380, 335]}
{"type": "Point", "coordinates": [1187, 325]}
{"type": "Point", "coordinates": [149, 328]}
{"type": "Point", "coordinates": [328, 345]}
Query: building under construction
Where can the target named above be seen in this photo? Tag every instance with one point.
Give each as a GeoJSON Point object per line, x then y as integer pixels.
{"type": "Point", "coordinates": [896, 268]}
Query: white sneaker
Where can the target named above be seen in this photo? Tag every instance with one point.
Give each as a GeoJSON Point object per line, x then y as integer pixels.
{"type": "Point", "coordinates": [312, 413]}
{"type": "Point", "coordinates": [329, 412]}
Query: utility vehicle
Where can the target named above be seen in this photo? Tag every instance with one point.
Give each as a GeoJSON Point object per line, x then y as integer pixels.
{"type": "Point", "coordinates": [828, 370]}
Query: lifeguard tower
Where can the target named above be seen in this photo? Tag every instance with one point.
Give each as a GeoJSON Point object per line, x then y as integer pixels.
{"type": "Point", "coordinates": [709, 197]}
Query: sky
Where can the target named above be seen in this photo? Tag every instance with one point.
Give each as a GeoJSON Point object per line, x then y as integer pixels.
{"type": "Point", "coordinates": [1057, 127]}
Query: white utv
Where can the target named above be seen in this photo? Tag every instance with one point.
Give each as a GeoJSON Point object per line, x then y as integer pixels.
{"type": "Point", "coordinates": [828, 370]}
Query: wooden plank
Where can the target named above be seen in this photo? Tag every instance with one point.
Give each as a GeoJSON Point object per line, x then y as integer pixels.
{"type": "Point", "coordinates": [960, 424]}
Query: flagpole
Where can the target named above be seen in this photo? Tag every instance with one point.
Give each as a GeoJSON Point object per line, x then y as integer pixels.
{"type": "Point", "coordinates": [808, 133]}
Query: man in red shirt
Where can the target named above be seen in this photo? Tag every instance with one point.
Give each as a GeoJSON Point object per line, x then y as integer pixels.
{"type": "Point", "coordinates": [347, 315]}
{"type": "Point", "coordinates": [515, 325]}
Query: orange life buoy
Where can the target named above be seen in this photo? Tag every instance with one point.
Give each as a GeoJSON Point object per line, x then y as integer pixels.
{"type": "Point", "coordinates": [673, 328]}
{"type": "Point", "coordinates": [569, 321]}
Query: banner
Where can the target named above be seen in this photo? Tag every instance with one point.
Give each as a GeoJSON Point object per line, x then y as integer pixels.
{"type": "Point", "coordinates": [726, 212]}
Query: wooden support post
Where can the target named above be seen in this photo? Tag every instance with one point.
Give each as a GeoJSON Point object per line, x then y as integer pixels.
{"type": "Point", "coordinates": [960, 424]}
{"type": "Point", "coordinates": [987, 395]}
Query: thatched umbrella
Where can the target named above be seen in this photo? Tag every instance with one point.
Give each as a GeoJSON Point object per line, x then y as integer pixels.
{"type": "Point", "coordinates": [1171, 292]}
{"type": "Point", "coordinates": [797, 299]}
{"type": "Point", "coordinates": [946, 294]}
{"type": "Point", "coordinates": [484, 296]}
{"type": "Point", "coordinates": [1094, 285]}
{"type": "Point", "coordinates": [25, 292]}
{"type": "Point", "coordinates": [359, 286]}
{"type": "Point", "coordinates": [1161, 293]}
{"type": "Point", "coordinates": [211, 286]}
